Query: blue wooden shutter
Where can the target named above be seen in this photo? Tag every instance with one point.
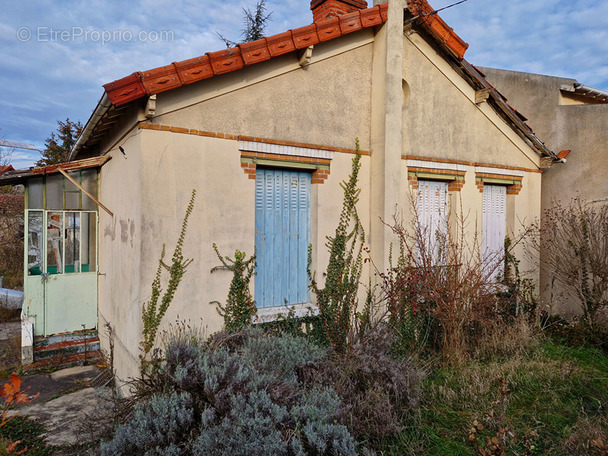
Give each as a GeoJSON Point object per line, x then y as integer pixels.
{"type": "Point", "coordinates": [282, 235]}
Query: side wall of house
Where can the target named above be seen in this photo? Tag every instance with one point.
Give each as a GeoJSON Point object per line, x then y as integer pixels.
{"type": "Point", "coordinates": [562, 125]}
{"type": "Point", "coordinates": [444, 127]}
{"type": "Point", "coordinates": [322, 107]}
{"type": "Point", "coordinates": [223, 214]}
{"type": "Point", "coordinates": [120, 241]}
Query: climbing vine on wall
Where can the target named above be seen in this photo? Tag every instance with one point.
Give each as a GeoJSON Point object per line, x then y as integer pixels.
{"type": "Point", "coordinates": [240, 306]}
{"type": "Point", "coordinates": [337, 300]}
{"type": "Point", "coordinates": [153, 311]}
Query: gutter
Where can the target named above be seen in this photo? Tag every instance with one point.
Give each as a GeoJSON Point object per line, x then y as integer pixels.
{"type": "Point", "coordinates": [586, 91]}
{"type": "Point", "coordinates": [101, 109]}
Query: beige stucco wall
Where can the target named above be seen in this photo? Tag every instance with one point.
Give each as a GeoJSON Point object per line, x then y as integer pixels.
{"type": "Point", "coordinates": [441, 118]}
{"type": "Point", "coordinates": [442, 121]}
{"type": "Point", "coordinates": [165, 167]}
{"type": "Point", "coordinates": [325, 102]}
{"type": "Point", "coordinates": [120, 189]}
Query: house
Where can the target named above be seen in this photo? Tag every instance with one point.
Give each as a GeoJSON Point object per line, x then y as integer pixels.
{"type": "Point", "coordinates": [265, 132]}
{"type": "Point", "coordinates": [572, 118]}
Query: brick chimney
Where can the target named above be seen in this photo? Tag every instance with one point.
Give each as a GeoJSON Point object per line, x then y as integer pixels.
{"type": "Point", "coordinates": [326, 9]}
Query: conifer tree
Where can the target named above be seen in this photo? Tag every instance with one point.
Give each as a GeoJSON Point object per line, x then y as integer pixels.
{"type": "Point", "coordinates": [59, 144]}
{"type": "Point", "coordinates": [255, 23]}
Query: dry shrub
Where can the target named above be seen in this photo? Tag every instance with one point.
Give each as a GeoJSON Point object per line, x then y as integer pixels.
{"type": "Point", "coordinates": [587, 436]}
{"type": "Point", "coordinates": [7, 314]}
{"type": "Point", "coordinates": [377, 389]}
{"type": "Point", "coordinates": [11, 238]}
{"type": "Point", "coordinates": [442, 293]}
{"type": "Point", "coordinates": [573, 245]}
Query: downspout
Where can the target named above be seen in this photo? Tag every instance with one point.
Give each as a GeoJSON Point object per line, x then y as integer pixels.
{"type": "Point", "coordinates": [102, 107]}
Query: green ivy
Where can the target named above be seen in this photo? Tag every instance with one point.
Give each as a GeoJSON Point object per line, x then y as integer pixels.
{"type": "Point", "coordinates": [337, 301]}
{"type": "Point", "coordinates": [240, 306]}
{"type": "Point", "coordinates": [153, 311]}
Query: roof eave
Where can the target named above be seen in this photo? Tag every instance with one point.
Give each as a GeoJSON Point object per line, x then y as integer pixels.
{"type": "Point", "coordinates": [513, 116]}
{"type": "Point", "coordinates": [100, 110]}
{"type": "Point", "coordinates": [21, 176]}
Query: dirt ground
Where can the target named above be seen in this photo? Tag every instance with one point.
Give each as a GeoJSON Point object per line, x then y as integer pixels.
{"type": "Point", "coordinates": [70, 400]}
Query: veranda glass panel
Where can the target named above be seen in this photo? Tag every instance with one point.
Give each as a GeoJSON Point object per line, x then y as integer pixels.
{"type": "Point", "coordinates": [54, 242]}
{"type": "Point", "coordinates": [34, 243]}
{"type": "Point", "coordinates": [72, 242]}
{"type": "Point", "coordinates": [88, 244]}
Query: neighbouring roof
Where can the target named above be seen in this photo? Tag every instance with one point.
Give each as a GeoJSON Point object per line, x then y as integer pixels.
{"type": "Point", "coordinates": [20, 176]}
{"type": "Point", "coordinates": [4, 169]}
{"type": "Point", "coordinates": [594, 95]}
{"type": "Point", "coordinates": [119, 93]}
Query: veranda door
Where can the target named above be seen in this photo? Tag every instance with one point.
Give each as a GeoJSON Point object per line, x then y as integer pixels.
{"type": "Point", "coordinates": [61, 270]}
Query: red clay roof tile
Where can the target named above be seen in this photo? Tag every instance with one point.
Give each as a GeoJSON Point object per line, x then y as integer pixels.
{"type": "Point", "coordinates": [126, 89]}
{"type": "Point", "coordinates": [329, 29]}
{"type": "Point", "coordinates": [165, 78]}
{"type": "Point", "coordinates": [161, 79]}
{"type": "Point", "coordinates": [431, 21]}
{"type": "Point", "coordinates": [305, 36]}
{"type": "Point", "coordinates": [255, 51]}
{"type": "Point", "coordinates": [193, 70]}
{"type": "Point", "coordinates": [280, 44]}
{"type": "Point", "coordinates": [350, 22]}
{"type": "Point", "coordinates": [226, 60]}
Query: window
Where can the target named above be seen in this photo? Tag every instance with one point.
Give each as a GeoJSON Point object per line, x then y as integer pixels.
{"type": "Point", "coordinates": [68, 243]}
{"type": "Point", "coordinates": [494, 228]}
{"type": "Point", "coordinates": [282, 235]}
{"type": "Point", "coordinates": [431, 208]}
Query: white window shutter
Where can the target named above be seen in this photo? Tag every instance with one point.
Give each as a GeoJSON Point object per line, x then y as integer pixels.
{"type": "Point", "coordinates": [494, 228]}
{"type": "Point", "coordinates": [432, 204]}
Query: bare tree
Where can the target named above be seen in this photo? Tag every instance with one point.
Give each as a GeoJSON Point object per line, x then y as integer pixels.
{"type": "Point", "coordinates": [573, 245]}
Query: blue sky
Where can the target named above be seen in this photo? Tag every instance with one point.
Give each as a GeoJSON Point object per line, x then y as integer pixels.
{"type": "Point", "coordinates": [55, 56]}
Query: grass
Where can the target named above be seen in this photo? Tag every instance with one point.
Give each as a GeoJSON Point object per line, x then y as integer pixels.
{"type": "Point", "coordinates": [29, 433]}
{"type": "Point", "coordinates": [556, 393]}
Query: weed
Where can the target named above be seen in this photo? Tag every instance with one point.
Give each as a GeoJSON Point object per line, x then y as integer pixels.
{"type": "Point", "coordinates": [574, 252]}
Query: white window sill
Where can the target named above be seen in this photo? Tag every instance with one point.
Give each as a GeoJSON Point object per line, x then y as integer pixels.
{"type": "Point", "coordinates": [269, 314]}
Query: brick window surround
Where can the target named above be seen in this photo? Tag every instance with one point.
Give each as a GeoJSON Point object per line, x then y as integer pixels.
{"type": "Point", "coordinates": [512, 178]}
{"type": "Point", "coordinates": [294, 157]}
{"type": "Point", "coordinates": [436, 169]}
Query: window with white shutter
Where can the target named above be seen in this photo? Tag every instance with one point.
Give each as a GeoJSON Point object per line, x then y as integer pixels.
{"type": "Point", "coordinates": [494, 228]}
{"type": "Point", "coordinates": [432, 205]}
